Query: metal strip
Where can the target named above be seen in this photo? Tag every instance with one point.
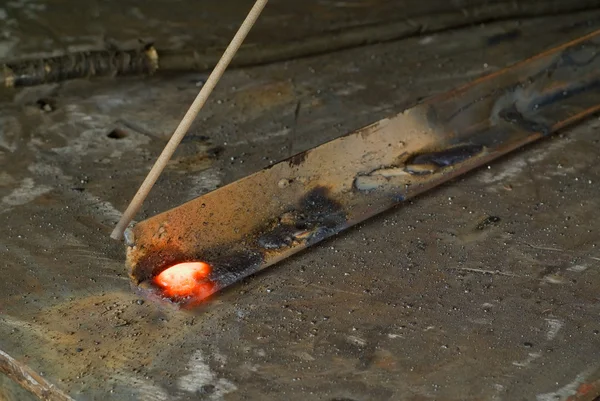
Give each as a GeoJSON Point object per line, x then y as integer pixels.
{"type": "Point", "coordinates": [30, 380]}
{"type": "Point", "coordinates": [261, 219]}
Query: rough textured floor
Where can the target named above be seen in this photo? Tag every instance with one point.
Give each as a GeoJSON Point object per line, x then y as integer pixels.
{"type": "Point", "coordinates": [422, 303]}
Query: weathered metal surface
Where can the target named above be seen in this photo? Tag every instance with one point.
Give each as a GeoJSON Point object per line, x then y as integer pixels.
{"type": "Point", "coordinates": [416, 304]}
{"type": "Point", "coordinates": [259, 220]}
{"type": "Point", "coordinates": [69, 42]}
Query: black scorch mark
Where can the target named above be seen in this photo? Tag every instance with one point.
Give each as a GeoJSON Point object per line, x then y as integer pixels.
{"type": "Point", "coordinates": [514, 116]}
{"type": "Point", "coordinates": [233, 266]}
{"type": "Point", "coordinates": [488, 221]}
{"type": "Point", "coordinates": [427, 163]}
{"type": "Point", "coordinates": [316, 217]}
{"type": "Point", "coordinates": [503, 37]}
{"type": "Point", "coordinates": [298, 159]}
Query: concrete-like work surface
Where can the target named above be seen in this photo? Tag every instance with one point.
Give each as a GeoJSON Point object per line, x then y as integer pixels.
{"type": "Point", "coordinates": [484, 289]}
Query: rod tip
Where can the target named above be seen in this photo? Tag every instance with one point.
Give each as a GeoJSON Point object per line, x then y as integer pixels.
{"type": "Point", "coordinates": [117, 234]}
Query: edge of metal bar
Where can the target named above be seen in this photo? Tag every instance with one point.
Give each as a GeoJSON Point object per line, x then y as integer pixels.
{"type": "Point", "coordinates": [259, 220]}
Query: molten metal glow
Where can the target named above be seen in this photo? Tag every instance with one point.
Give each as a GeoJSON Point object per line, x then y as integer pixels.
{"type": "Point", "coordinates": [184, 280]}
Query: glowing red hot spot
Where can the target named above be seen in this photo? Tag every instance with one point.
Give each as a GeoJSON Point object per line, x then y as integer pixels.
{"type": "Point", "coordinates": [189, 279]}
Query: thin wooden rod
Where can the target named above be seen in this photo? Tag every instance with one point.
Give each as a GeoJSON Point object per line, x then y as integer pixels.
{"type": "Point", "coordinates": [186, 122]}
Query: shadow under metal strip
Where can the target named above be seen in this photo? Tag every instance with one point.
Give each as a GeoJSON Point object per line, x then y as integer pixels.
{"type": "Point", "coordinates": [259, 220]}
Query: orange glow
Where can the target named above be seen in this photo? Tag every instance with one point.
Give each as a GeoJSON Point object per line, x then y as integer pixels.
{"type": "Point", "coordinates": [183, 280]}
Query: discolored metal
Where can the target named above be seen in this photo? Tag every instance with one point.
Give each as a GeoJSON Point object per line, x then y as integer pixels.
{"type": "Point", "coordinates": [261, 219]}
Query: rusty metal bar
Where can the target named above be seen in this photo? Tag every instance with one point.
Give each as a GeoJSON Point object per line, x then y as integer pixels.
{"type": "Point", "coordinates": [79, 65]}
{"type": "Point", "coordinates": [261, 219]}
{"type": "Point", "coordinates": [30, 380]}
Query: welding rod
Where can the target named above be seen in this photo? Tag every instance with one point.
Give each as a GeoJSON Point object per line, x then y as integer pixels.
{"type": "Point", "coordinates": [186, 122]}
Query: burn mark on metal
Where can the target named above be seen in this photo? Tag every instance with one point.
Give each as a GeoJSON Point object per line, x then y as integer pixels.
{"type": "Point", "coordinates": [231, 267]}
{"type": "Point", "coordinates": [567, 92]}
{"type": "Point", "coordinates": [317, 217]}
{"type": "Point", "coordinates": [378, 178]}
{"type": "Point", "coordinates": [577, 56]}
{"type": "Point", "coordinates": [298, 159]}
{"type": "Point", "coordinates": [513, 116]}
{"type": "Point", "coordinates": [570, 59]}
{"type": "Point", "coordinates": [281, 236]}
{"type": "Point", "coordinates": [415, 165]}
{"type": "Point", "coordinates": [447, 157]}
{"type": "Point", "coordinates": [255, 222]}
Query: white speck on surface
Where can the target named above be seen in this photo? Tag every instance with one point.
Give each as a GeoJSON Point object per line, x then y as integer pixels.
{"type": "Point", "coordinates": [47, 170]}
{"type": "Point", "coordinates": [6, 179]}
{"type": "Point", "coordinates": [263, 138]}
{"type": "Point", "coordinates": [350, 88]}
{"type": "Point", "coordinates": [200, 376]}
{"type": "Point", "coordinates": [93, 143]}
{"type": "Point", "coordinates": [305, 356]}
{"type": "Point", "coordinates": [219, 357]}
{"type": "Point", "coordinates": [144, 390]}
{"type": "Point", "coordinates": [482, 322]}
{"type": "Point", "coordinates": [25, 193]}
{"type": "Point", "coordinates": [511, 169]}
{"type": "Point", "coordinates": [204, 182]}
{"type": "Point", "coordinates": [578, 268]}
{"type": "Point", "coordinates": [116, 154]}
{"type": "Point", "coordinates": [426, 40]}
{"type": "Point", "coordinates": [104, 209]}
{"type": "Point", "coordinates": [504, 173]}
{"type": "Point", "coordinates": [10, 129]}
{"type": "Point", "coordinates": [357, 340]}
{"type": "Point", "coordinates": [554, 326]}
{"type": "Point", "coordinates": [532, 356]}
{"type": "Point", "coordinates": [499, 390]}
{"type": "Point", "coordinates": [568, 390]}
{"type": "Point", "coordinates": [554, 279]}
